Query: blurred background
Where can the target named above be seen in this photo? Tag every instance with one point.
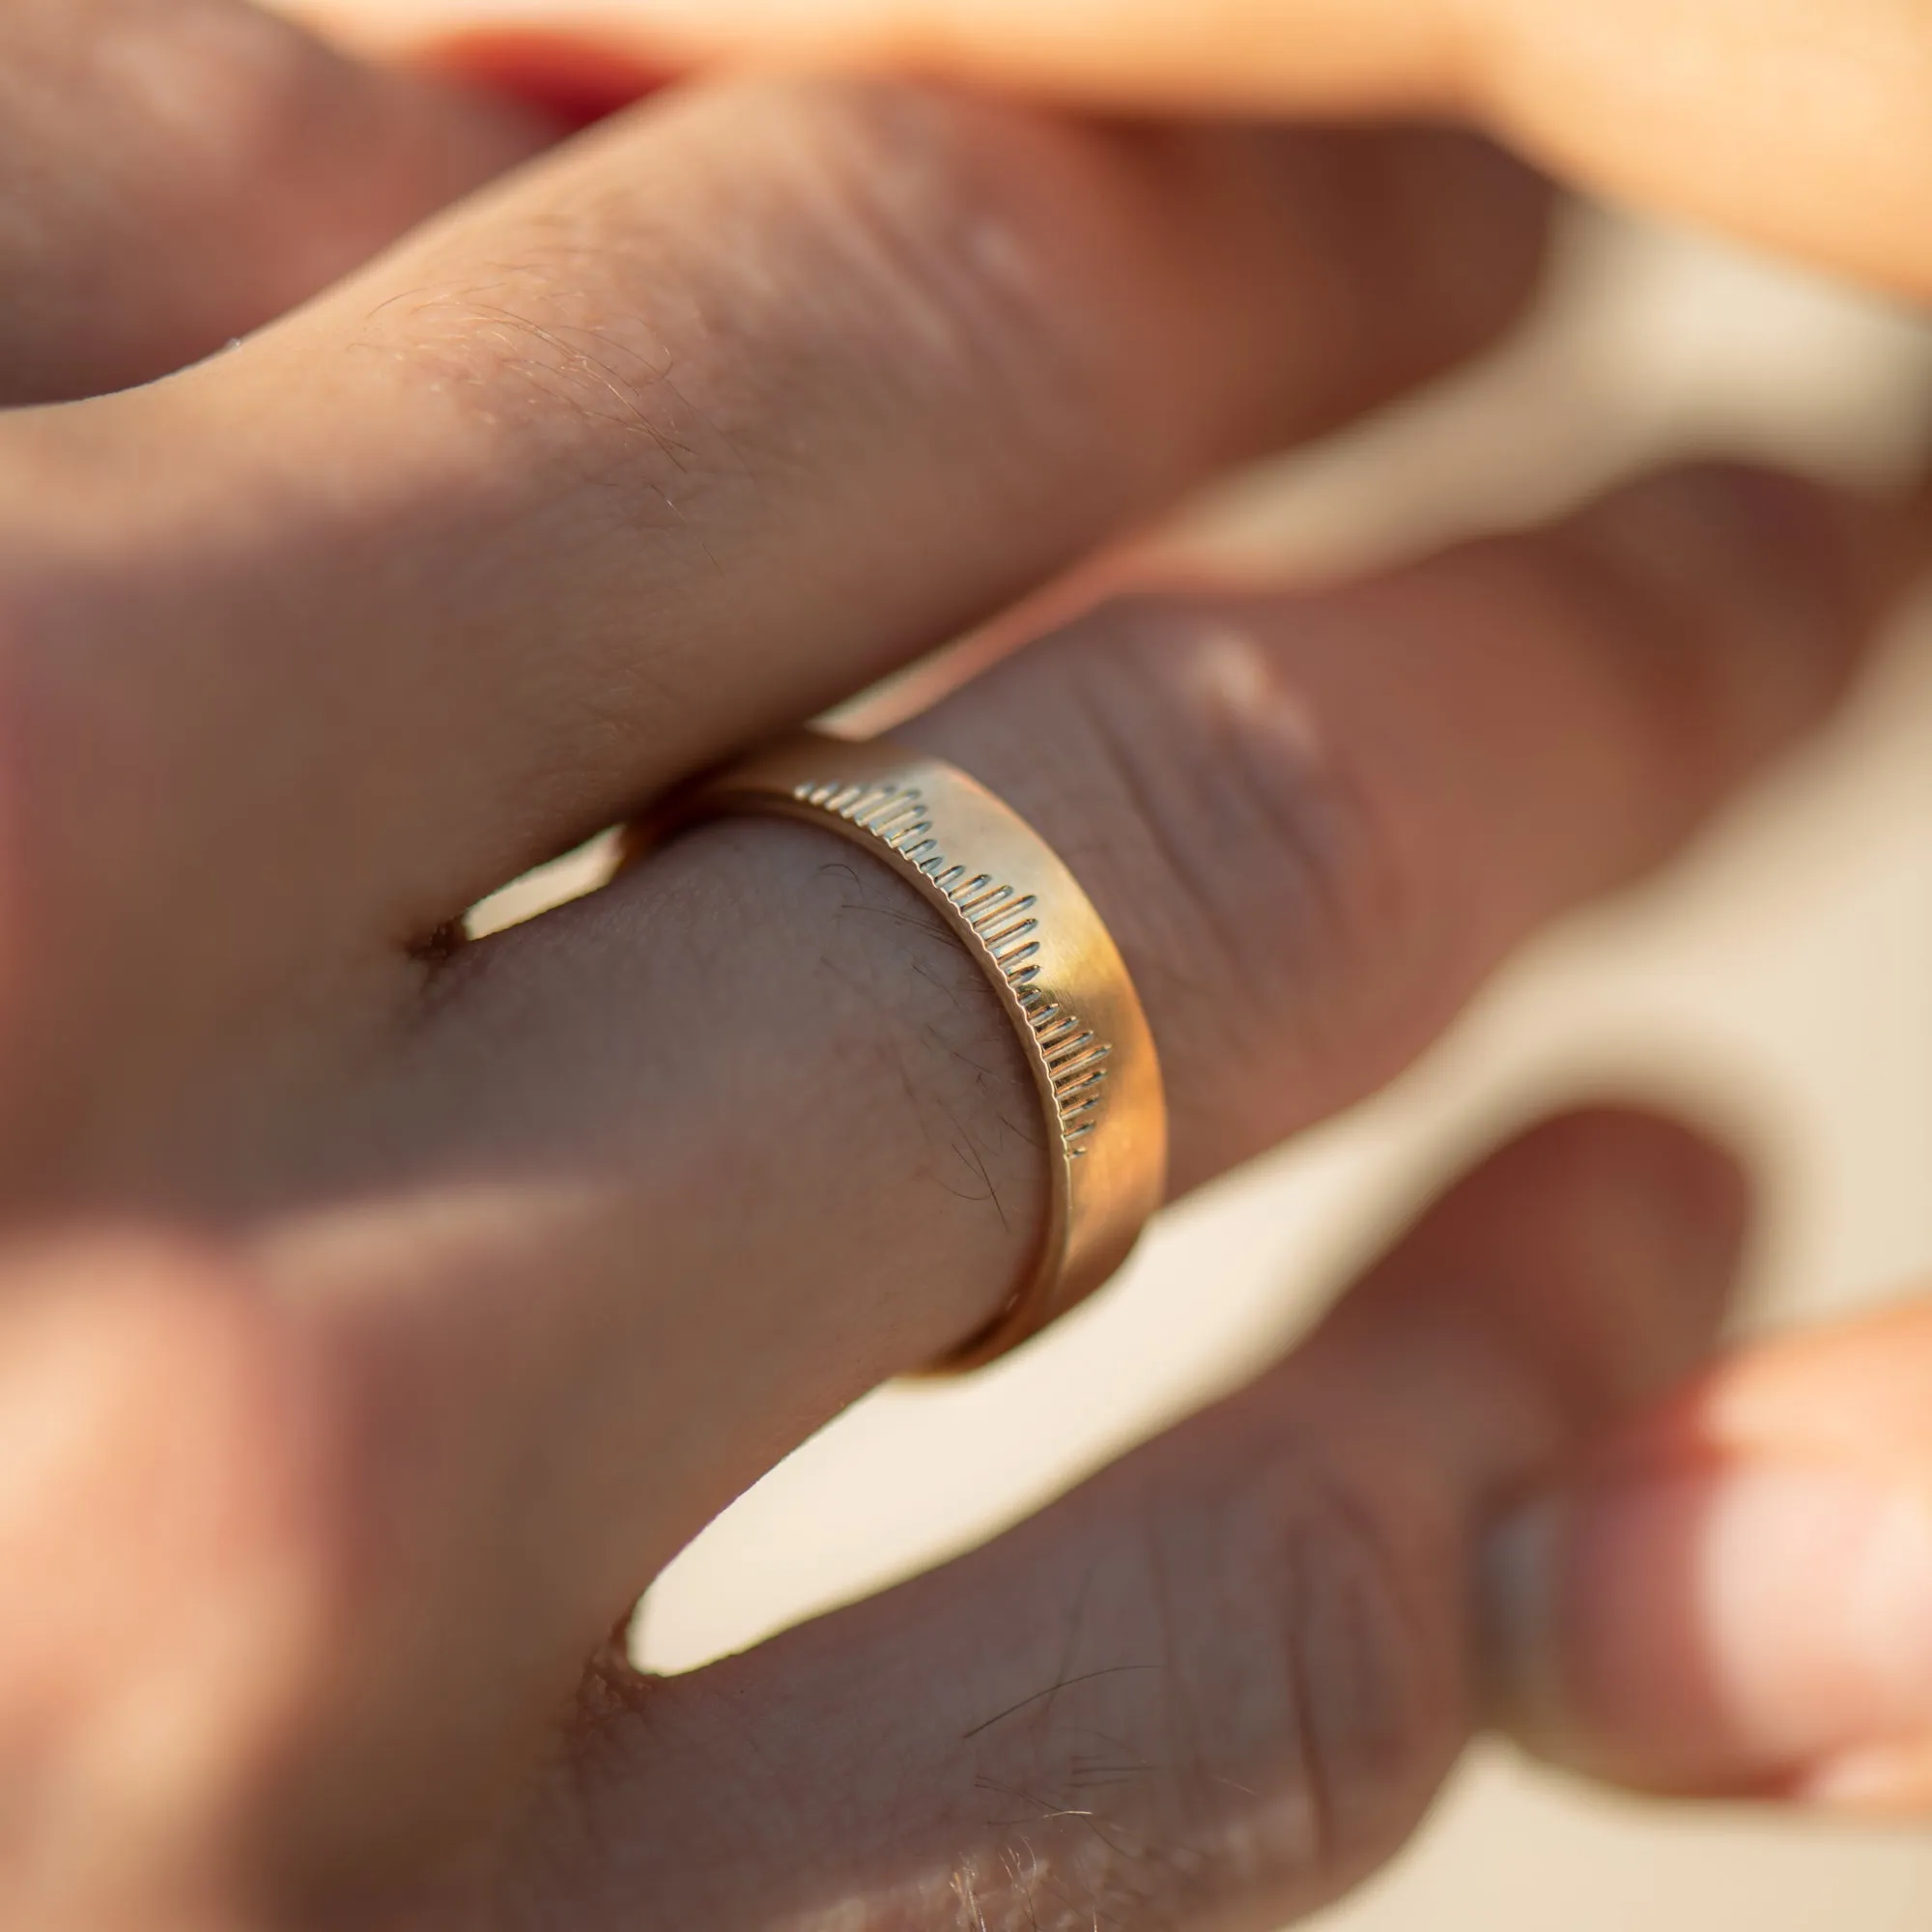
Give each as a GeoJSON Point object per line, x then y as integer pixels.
{"type": "Point", "coordinates": [1780, 978]}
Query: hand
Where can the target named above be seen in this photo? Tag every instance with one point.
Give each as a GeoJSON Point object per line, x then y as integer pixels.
{"type": "Point", "coordinates": [379, 1314]}
{"type": "Point", "coordinates": [1796, 1479]}
{"type": "Point", "coordinates": [1799, 124]}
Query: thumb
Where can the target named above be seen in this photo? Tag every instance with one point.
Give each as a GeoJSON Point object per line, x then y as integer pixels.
{"type": "Point", "coordinates": [1737, 1599]}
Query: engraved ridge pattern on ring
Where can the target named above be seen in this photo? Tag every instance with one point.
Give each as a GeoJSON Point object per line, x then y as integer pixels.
{"type": "Point", "coordinates": [1004, 923]}
{"type": "Point", "coordinates": [1041, 943]}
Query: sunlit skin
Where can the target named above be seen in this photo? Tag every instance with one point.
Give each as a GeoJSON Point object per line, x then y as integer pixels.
{"type": "Point", "coordinates": [379, 1314]}
{"type": "Point", "coordinates": [1799, 124]}
{"type": "Point", "coordinates": [1793, 124]}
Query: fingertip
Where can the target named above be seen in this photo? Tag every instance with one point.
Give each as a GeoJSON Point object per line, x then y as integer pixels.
{"type": "Point", "coordinates": [1783, 576]}
{"type": "Point", "coordinates": [1610, 1239]}
{"type": "Point", "coordinates": [1475, 225]}
{"type": "Point", "coordinates": [1622, 1151]}
{"type": "Point", "coordinates": [1716, 1629]}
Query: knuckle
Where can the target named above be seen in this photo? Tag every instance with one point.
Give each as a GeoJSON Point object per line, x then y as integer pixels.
{"type": "Point", "coordinates": [1365, 1666]}
{"type": "Point", "coordinates": [1248, 841]}
{"type": "Point", "coordinates": [1258, 1715]}
{"type": "Point", "coordinates": [942, 215]}
{"type": "Point", "coordinates": [874, 258]}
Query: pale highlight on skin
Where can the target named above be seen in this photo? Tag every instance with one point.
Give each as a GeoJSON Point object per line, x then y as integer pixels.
{"type": "Point", "coordinates": [1789, 123]}
{"type": "Point", "coordinates": [429, 1297]}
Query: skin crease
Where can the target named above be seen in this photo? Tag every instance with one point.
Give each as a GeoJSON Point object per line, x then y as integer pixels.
{"type": "Point", "coordinates": [1790, 125]}
{"type": "Point", "coordinates": [377, 1316]}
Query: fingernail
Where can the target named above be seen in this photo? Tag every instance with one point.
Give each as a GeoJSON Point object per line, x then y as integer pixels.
{"type": "Point", "coordinates": [1712, 1630]}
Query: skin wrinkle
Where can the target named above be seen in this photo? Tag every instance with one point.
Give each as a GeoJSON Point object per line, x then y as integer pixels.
{"type": "Point", "coordinates": [1023, 1742]}
{"type": "Point", "coordinates": [927, 1103]}
{"type": "Point", "coordinates": [1117, 1861]}
{"type": "Point", "coordinates": [578, 1218]}
{"type": "Point", "coordinates": [703, 1731]}
{"type": "Point", "coordinates": [1179, 856]}
{"type": "Point", "coordinates": [995, 1061]}
{"type": "Point", "coordinates": [903, 269]}
{"type": "Point", "coordinates": [542, 1247]}
{"type": "Point", "coordinates": [1249, 846]}
{"type": "Point", "coordinates": [1100, 1786]}
{"type": "Point", "coordinates": [801, 362]}
{"type": "Point", "coordinates": [1263, 761]}
{"type": "Point", "coordinates": [1088, 1836]}
{"type": "Point", "coordinates": [1105, 1866]}
{"type": "Point", "coordinates": [1322, 816]}
{"type": "Point", "coordinates": [1302, 1810]}
{"type": "Point", "coordinates": [1136, 1870]}
{"type": "Point", "coordinates": [882, 274]}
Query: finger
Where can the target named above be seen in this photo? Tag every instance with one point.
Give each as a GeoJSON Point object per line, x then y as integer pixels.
{"type": "Point", "coordinates": [763, 1135]}
{"type": "Point", "coordinates": [1796, 123]}
{"type": "Point", "coordinates": [1215, 1686]}
{"type": "Point", "coordinates": [178, 172]}
{"type": "Point", "coordinates": [1314, 825]}
{"type": "Point", "coordinates": [727, 411]}
{"type": "Point", "coordinates": [1736, 1598]}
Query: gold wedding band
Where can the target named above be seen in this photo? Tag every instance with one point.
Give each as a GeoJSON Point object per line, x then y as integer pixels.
{"type": "Point", "coordinates": [1022, 915]}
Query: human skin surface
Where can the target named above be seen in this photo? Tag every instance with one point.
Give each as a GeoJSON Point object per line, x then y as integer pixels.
{"type": "Point", "coordinates": [1718, 1622]}
{"type": "Point", "coordinates": [378, 1312]}
{"type": "Point", "coordinates": [1799, 123]}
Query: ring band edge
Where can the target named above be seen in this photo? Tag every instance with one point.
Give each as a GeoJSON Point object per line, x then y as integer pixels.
{"type": "Point", "coordinates": [1077, 1251]}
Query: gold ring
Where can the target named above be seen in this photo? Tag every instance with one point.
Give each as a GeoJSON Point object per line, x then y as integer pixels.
{"type": "Point", "coordinates": [1022, 915]}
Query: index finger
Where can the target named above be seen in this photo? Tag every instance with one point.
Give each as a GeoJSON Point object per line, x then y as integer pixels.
{"type": "Point", "coordinates": [1799, 124]}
